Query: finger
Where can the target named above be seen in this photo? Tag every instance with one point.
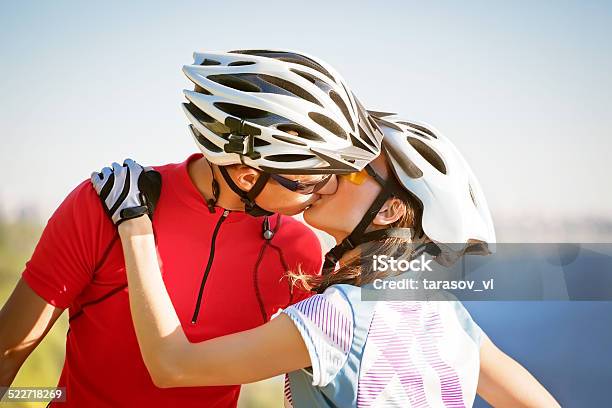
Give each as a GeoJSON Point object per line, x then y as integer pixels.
{"type": "Point", "coordinates": [100, 179]}
{"type": "Point", "coordinates": [120, 174]}
{"type": "Point", "coordinates": [106, 173]}
{"type": "Point", "coordinates": [96, 181]}
{"type": "Point", "coordinates": [135, 168]}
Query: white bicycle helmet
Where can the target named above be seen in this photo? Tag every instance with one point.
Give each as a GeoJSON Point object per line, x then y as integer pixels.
{"type": "Point", "coordinates": [455, 216]}
{"type": "Point", "coordinates": [247, 106]}
{"type": "Point", "coordinates": [429, 166]}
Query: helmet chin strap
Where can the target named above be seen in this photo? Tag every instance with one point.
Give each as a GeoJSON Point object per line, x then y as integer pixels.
{"type": "Point", "coordinates": [248, 197]}
{"type": "Point", "coordinates": [358, 236]}
{"type": "Point", "coordinates": [267, 231]}
{"type": "Point", "coordinates": [212, 202]}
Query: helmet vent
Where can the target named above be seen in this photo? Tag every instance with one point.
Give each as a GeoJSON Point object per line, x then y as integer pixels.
{"type": "Point", "coordinates": [235, 82]}
{"type": "Point", "coordinates": [291, 88]}
{"type": "Point", "coordinates": [338, 101]}
{"type": "Point", "coordinates": [240, 63]}
{"type": "Point", "coordinates": [347, 92]}
{"type": "Point", "coordinates": [257, 142]}
{"type": "Point", "coordinates": [322, 85]}
{"type": "Point", "coordinates": [428, 154]}
{"type": "Point", "coordinates": [472, 195]}
{"type": "Point", "coordinates": [209, 122]}
{"type": "Point", "coordinates": [363, 135]}
{"type": "Point", "coordinates": [198, 113]}
{"type": "Point", "coordinates": [304, 75]}
{"type": "Point", "coordinates": [302, 132]}
{"type": "Point", "coordinates": [285, 158]}
{"type": "Point", "coordinates": [373, 123]}
{"type": "Point", "coordinates": [210, 62]}
{"type": "Point", "coordinates": [307, 62]}
{"type": "Point", "coordinates": [252, 52]}
{"type": "Point", "coordinates": [204, 141]}
{"type": "Point", "coordinates": [290, 57]}
{"type": "Point", "coordinates": [420, 129]}
{"type": "Point", "coordinates": [239, 111]}
{"type": "Point", "coordinates": [355, 142]}
{"type": "Point", "coordinates": [201, 90]}
{"type": "Point", "coordinates": [410, 168]}
{"type": "Point", "coordinates": [289, 140]}
{"type": "Point", "coordinates": [328, 124]}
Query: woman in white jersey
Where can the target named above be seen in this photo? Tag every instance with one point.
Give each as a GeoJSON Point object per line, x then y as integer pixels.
{"type": "Point", "coordinates": [340, 351]}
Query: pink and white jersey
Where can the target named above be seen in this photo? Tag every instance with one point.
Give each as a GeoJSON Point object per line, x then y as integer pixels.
{"type": "Point", "coordinates": [417, 353]}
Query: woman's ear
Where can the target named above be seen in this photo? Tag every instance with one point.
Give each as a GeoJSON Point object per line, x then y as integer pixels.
{"type": "Point", "coordinates": [245, 177]}
{"type": "Point", "coordinates": [392, 210]}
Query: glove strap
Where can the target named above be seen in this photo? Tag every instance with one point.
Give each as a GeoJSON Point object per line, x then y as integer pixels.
{"type": "Point", "coordinates": [133, 212]}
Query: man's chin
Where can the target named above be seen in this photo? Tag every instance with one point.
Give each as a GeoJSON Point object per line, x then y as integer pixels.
{"type": "Point", "coordinates": [294, 210]}
{"type": "Point", "coordinates": [290, 211]}
{"type": "Point", "coordinates": [298, 209]}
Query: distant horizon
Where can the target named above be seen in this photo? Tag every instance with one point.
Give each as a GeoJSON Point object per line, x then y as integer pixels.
{"type": "Point", "coordinates": [517, 227]}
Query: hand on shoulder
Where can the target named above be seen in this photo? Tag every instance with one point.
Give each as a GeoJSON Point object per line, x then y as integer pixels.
{"type": "Point", "coordinates": [127, 191]}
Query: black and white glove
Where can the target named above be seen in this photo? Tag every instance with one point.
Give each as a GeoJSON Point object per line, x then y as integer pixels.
{"type": "Point", "coordinates": [127, 191]}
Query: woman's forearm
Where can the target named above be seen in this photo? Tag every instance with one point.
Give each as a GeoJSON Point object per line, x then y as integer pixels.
{"type": "Point", "coordinates": [171, 359]}
{"type": "Point", "coordinates": [504, 382]}
{"type": "Point", "coordinates": [156, 323]}
{"type": "Point", "coordinates": [263, 352]}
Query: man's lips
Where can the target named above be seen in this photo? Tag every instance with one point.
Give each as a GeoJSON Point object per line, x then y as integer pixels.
{"type": "Point", "coordinates": [322, 198]}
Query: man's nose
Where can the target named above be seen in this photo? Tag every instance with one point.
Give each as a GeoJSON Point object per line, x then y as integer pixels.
{"type": "Point", "coordinates": [330, 187]}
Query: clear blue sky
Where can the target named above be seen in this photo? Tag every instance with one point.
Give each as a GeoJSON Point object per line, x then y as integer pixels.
{"type": "Point", "coordinates": [523, 88]}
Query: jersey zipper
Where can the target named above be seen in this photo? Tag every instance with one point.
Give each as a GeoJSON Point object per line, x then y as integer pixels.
{"type": "Point", "coordinates": [211, 257]}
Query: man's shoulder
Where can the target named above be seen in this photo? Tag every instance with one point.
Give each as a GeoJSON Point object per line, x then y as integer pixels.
{"type": "Point", "coordinates": [175, 166]}
{"type": "Point", "coordinates": [84, 200]}
{"type": "Point", "coordinates": [83, 196]}
{"type": "Point", "coordinates": [167, 168]}
{"type": "Point", "coordinates": [85, 191]}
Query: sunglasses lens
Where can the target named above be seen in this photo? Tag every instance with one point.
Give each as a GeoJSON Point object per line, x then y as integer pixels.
{"type": "Point", "coordinates": [313, 188]}
{"type": "Point", "coordinates": [322, 184]}
{"type": "Point", "coordinates": [357, 178]}
{"type": "Point", "coordinates": [299, 187]}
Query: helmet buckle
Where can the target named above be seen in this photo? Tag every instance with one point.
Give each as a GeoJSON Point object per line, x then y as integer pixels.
{"type": "Point", "coordinates": [243, 145]}
{"type": "Point", "coordinates": [242, 139]}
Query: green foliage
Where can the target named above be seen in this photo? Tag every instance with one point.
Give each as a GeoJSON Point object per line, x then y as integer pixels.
{"type": "Point", "coordinates": [43, 367]}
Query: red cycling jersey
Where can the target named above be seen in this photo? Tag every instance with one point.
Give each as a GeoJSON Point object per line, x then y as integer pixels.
{"type": "Point", "coordinates": [221, 274]}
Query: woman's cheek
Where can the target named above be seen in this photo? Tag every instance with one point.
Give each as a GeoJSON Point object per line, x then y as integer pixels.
{"type": "Point", "coordinates": [319, 215]}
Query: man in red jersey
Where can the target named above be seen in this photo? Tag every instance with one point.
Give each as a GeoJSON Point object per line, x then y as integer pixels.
{"type": "Point", "coordinates": [273, 127]}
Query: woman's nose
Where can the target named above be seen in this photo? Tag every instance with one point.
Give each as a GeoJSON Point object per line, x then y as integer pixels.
{"type": "Point", "coordinates": [330, 187]}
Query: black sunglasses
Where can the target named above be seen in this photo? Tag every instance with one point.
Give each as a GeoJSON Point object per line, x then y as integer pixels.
{"type": "Point", "coordinates": [300, 187]}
